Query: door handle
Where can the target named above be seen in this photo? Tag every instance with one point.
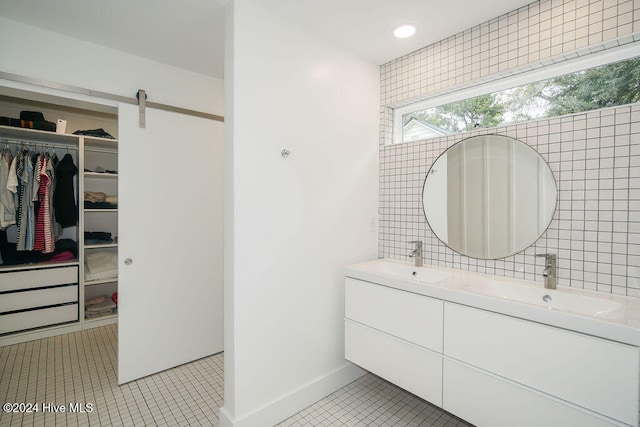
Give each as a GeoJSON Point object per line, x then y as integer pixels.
{"type": "Point", "coordinates": [128, 261]}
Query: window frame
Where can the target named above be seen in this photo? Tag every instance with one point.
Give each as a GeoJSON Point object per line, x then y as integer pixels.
{"type": "Point", "coordinates": [543, 70]}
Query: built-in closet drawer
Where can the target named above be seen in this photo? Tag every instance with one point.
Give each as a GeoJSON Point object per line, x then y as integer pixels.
{"type": "Point", "coordinates": [590, 372]}
{"type": "Point", "coordinates": [406, 315]}
{"type": "Point", "coordinates": [487, 400]}
{"type": "Point", "coordinates": [407, 365]}
{"type": "Point", "coordinates": [38, 298]}
{"type": "Point", "coordinates": [24, 320]}
{"type": "Point", "coordinates": [26, 279]}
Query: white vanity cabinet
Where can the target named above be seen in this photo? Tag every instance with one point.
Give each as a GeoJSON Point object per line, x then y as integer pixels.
{"type": "Point", "coordinates": [488, 400]}
{"type": "Point", "coordinates": [385, 333]}
{"type": "Point", "coordinates": [488, 368]}
{"type": "Point", "coordinates": [547, 374]}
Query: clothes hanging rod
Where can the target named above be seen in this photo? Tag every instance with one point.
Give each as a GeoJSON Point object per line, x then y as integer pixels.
{"type": "Point", "coordinates": [14, 141]}
{"type": "Point", "coordinates": [105, 95]}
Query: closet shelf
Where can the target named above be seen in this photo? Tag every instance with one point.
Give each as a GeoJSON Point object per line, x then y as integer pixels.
{"type": "Point", "coordinates": [100, 175]}
{"type": "Point", "coordinates": [101, 245]}
{"type": "Point", "coordinates": [37, 265]}
{"type": "Point", "coordinates": [96, 140]}
{"type": "Point", "coordinates": [101, 210]}
{"type": "Point", "coordinates": [92, 143]}
{"type": "Point", "coordinates": [38, 136]}
{"type": "Point", "coordinates": [102, 320]}
{"type": "Point", "coordinates": [102, 317]}
{"type": "Point", "coordinates": [100, 282]}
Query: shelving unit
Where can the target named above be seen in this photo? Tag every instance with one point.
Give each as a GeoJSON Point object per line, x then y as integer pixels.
{"type": "Point", "coordinates": [43, 299]}
{"type": "Point", "coordinates": [101, 246]}
{"type": "Point", "coordinates": [100, 153]}
{"type": "Point", "coordinates": [101, 175]}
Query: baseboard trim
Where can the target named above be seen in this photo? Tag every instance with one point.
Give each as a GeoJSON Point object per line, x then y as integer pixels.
{"type": "Point", "coordinates": [296, 400]}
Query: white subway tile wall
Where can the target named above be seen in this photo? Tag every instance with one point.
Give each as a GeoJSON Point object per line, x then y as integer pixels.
{"type": "Point", "coordinates": [595, 156]}
{"type": "Point", "coordinates": [540, 31]}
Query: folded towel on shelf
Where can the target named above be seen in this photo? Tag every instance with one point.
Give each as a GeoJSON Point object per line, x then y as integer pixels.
{"type": "Point", "coordinates": [95, 300]}
{"type": "Point", "coordinates": [101, 265]}
{"type": "Point", "coordinates": [105, 275]}
{"type": "Point", "coordinates": [100, 261]}
{"type": "Point", "coordinates": [107, 304]}
{"type": "Point", "coordinates": [93, 315]}
{"type": "Point", "coordinates": [99, 200]}
{"type": "Point", "coordinates": [94, 196]}
{"type": "Point", "coordinates": [99, 306]}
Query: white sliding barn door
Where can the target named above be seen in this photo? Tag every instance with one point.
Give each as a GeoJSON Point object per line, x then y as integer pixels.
{"type": "Point", "coordinates": [170, 296]}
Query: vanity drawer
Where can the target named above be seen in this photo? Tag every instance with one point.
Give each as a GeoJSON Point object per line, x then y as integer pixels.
{"type": "Point", "coordinates": [38, 298]}
{"type": "Point", "coordinates": [406, 315]}
{"type": "Point", "coordinates": [486, 400]}
{"type": "Point", "coordinates": [16, 280]}
{"type": "Point", "coordinates": [590, 372]}
{"type": "Point", "coordinates": [36, 318]}
{"type": "Point", "coordinates": [413, 368]}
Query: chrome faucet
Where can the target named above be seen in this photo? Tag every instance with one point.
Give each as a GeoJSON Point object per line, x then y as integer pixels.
{"type": "Point", "coordinates": [416, 254]}
{"type": "Point", "coordinates": [549, 272]}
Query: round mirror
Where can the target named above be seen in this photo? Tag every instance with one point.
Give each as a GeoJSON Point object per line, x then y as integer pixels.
{"type": "Point", "coordinates": [489, 196]}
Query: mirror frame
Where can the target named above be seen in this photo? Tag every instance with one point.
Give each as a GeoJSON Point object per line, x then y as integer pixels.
{"type": "Point", "coordinates": [545, 228]}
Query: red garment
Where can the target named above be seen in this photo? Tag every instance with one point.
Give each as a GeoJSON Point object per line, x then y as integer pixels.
{"type": "Point", "coordinates": [44, 237]}
{"type": "Point", "coordinates": [63, 256]}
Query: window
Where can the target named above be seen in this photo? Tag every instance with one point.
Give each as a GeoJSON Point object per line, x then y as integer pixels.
{"type": "Point", "coordinates": [547, 93]}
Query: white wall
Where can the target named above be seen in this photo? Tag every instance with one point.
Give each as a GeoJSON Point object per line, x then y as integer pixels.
{"type": "Point", "coordinates": [297, 221]}
{"type": "Point", "coordinates": [41, 54]}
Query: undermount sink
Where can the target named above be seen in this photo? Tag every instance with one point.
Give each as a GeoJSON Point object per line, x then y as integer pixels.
{"type": "Point", "coordinates": [408, 271]}
{"type": "Point", "coordinates": [552, 299]}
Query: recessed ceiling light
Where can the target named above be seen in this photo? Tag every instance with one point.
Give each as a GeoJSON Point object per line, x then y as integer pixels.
{"type": "Point", "coordinates": [404, 31]}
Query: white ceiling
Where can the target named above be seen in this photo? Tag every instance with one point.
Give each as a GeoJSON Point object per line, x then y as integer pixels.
{"type": "Point", "coordinates": [190, 33]}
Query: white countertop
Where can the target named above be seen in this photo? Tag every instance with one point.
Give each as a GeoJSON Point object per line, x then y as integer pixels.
{"type": "Point", "coordinates": [475, 290]}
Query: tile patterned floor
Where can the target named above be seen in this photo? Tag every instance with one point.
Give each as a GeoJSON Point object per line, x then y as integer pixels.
{"type": "Point", "coordinates": [80, 368]}
{"type": "Point", "coordinates": [371, 401]}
